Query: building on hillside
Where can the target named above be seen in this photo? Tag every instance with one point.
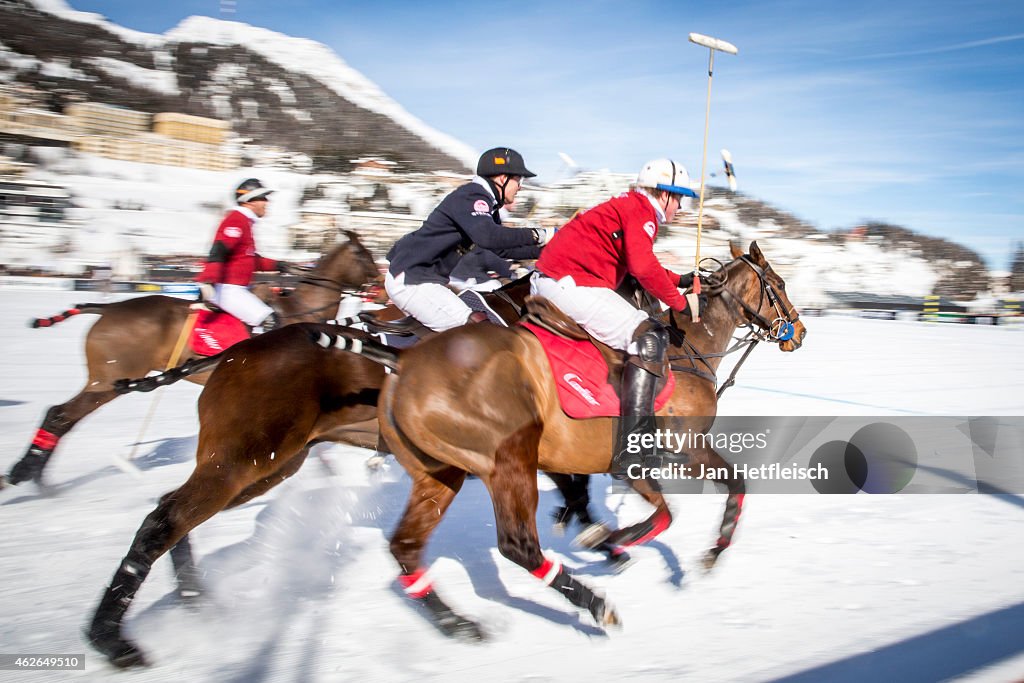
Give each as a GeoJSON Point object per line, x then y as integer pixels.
{"type": "Point", "coordinates": [151, 148]}
{"type": "Point", "coordinates": [106, 119]}
{"type": "Point", "coordinates": [191, 128]}
{"type": "Point", "coordinates": [119, 133]}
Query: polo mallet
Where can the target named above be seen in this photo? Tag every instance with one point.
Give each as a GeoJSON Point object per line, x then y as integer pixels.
{"type": "Point", "coordinates": [179, 346]}
{"type": "Point", "coordinates": [712, 44]}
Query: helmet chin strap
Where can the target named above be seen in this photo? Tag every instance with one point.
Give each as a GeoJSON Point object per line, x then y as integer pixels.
{"type": "Point", "coordinates": [499, 190]}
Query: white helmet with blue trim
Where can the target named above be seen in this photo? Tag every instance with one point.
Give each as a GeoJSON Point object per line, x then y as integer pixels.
{"type": "Point", "coordinates": [665, 174]}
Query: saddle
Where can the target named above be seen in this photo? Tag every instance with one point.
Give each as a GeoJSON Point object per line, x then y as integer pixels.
{"type": "Point", "coordinates": [216, 330]}
{"type": "Point", "coordinates": [588, 374]}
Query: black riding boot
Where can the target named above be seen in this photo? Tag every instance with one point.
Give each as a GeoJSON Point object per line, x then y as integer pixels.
{"type": "Point", "coordinates": [637, 401]}
{"type": "Point", "coordinates": [637, 409]}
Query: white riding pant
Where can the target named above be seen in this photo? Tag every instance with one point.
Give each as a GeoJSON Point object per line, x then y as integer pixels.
{"type": "Point", "coordinates": [241, 303]}
{"type": "Point", "coordinates": [434, 305]}
{"type": "Point", "coordinates": [600, 311]}
{"type": "Point", "coordinates": [487, 285]}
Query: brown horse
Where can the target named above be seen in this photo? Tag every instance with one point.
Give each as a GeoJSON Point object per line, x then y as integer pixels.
{"type": "Point", "coordinates": [481, 400]}
{"type": "Point", "coordinates": [136, 336]}
{"type": "Point", "coordinates": [251, 439]}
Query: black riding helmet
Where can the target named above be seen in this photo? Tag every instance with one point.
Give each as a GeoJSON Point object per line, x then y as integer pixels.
{"type": "Point", "coordinates": [502, 160]}
{"type": "Point", "coordinates": [498, 161]}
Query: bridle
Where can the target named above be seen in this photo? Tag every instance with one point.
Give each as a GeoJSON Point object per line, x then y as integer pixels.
{"type": "Point", "coordinates": [342, 289]}
{"type": "Point", "coordinates": [759, 328]}
{"type": "Point", "coordinates": [775, 331]}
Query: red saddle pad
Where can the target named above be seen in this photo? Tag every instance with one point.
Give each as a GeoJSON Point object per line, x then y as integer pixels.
{"type": "Point", "coordinates": [581, 375]}
{"type": "Point", "coordinates": [215, 331]}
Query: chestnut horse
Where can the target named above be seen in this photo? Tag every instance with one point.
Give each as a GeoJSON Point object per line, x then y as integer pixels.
{"type": "Point", "coordinates": [480, 399]}
{"type": "Point", "coordinates": [251, 439]}
{"type": "Point", "coordinates": [135, 336]}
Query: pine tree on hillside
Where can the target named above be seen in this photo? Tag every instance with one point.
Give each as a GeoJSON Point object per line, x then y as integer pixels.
{"type": "Point", "coordinates": [1017, 269]}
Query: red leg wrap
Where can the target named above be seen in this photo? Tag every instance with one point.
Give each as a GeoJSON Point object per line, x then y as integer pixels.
{"type": "Point", "coordinates": [417, 584]}
{"type": "Point", "coordinates": [45, 440]}
{"type": "Point", "coordinates": [547, 571]}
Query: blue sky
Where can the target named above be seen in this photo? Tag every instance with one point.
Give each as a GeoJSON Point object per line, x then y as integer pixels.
{"type": "Point", "coordinates": [905, 111]}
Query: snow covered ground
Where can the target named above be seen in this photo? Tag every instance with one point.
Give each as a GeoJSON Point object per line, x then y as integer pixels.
{"type": "Point", "coordinates": [903, 587]}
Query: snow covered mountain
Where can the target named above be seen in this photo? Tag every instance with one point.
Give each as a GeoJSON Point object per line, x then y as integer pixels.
{"type": "Point", "coordinates": [298, 95]}
{"type": "Point", "coordinates": [272, 88]}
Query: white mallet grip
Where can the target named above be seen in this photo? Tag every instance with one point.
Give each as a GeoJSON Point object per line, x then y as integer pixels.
{"type": "Point", "coordinates": [713, 43]}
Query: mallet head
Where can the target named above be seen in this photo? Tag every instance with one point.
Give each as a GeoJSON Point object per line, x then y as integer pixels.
{"type": "Point", "coordinates": [713, 43]}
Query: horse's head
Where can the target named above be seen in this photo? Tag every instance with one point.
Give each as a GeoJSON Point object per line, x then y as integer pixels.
{"type": "Point", "coordinates": [349, 264]}
{"type": "Point", "coordinates": [758, 296]}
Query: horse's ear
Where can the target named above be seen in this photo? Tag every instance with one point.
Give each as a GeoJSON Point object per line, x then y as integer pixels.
{"type": "Point", "coordinates": [756, 254]}
{"type": "Point", "coordinates": [352, 235]}
{"type": "Point", "coordinates": [735, 249]}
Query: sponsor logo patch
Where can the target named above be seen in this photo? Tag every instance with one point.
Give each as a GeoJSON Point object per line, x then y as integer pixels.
{"type": "Point", "coordinates": [574, 381]}
{"type": "Point", "coordinates": [480, 206]}
{"type": "Point", "coordinates": [650, 228]}
{"type": "Point", "coordinates": [233, 231]}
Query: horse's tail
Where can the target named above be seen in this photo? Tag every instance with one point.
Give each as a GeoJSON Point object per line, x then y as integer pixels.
{"type": "Point", "coordinates": [61, 317]}
{"type": "Point", "coordinates": [385, 355]}
{"type": "Point", "coordinates": [191, 367]}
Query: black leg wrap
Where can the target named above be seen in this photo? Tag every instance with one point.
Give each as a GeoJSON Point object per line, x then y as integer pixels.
{"type": "Point", "coordinates": [185, 570]}
{"type": "Point", "coordinates": [579, 595]}
{"type": "Point", "coordinates": [449, 622]}
{"type": "Point", "coordinates": [30, 467]}
{"type": "Point", "coordinates": [104, 632]}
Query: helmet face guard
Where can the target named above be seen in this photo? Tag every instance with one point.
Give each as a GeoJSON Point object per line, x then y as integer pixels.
{"type": "Point", "coordinates": [502, 161]}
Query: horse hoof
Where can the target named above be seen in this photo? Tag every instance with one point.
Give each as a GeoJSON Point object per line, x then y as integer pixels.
{"type": "Point", "coordinates": [710, 558]}
{"type": "Point", "coordinates": [376, 462]}
{"type": "Point", "coordinates": [121, 653]}
{"type": "Point", "coordinates": [593, 536]}
{"type": "Point", "coordinates": [620, 561]}
{"type": "Point", "coordinates": [449, 622]}
{"type": "Point", "coordinates": [457, 626]}
{"type": "Point", "coordinates": [605, 615]}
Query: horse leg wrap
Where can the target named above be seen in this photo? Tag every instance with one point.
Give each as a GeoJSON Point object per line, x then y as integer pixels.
{"type": "Point", "coordinates": [574, 591]}
{"type": "Point", "coordinates": [104, 632]}
{"type": "Point", "coordinates": [733, 510]}
{"type": "Point", "coordinates": [643, 532]}
{"type": "Point", "coordinates": [31, 465]}
{"type": "Point", "coordinates": [417, 585]}
{"type": "Point", "coordinates": [185, 570]}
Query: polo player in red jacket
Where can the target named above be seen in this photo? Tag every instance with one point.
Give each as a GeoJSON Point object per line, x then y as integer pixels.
{"type": "Point", "coordinates": [233, 259]}
{"type": "Point", "coordinates": [587, 260]}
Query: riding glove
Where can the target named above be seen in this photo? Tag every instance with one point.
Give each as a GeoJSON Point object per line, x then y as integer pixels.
{"type": "Point", "coordinates": [207, 294]}
{"type": "Point", "coordinates": [686, 280]}
{"type": "Point", "coordinates": [543, 235]}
